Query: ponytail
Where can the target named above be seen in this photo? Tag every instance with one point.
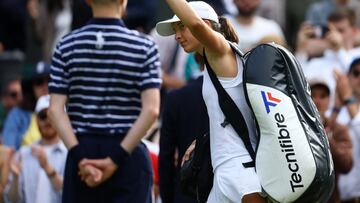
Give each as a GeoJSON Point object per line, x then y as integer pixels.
{"type": "Point", "coordinates": [227, 29]}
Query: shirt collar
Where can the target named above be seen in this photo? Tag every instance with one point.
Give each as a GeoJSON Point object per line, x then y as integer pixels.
{"type": "Point", "coordinates": [107, 21]}
{"type": "Point", "coordinates": [58, 147]}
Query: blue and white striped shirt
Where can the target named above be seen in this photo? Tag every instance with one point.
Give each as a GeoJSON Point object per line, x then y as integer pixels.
{"type": "Point", "coordinates": [102, 68]}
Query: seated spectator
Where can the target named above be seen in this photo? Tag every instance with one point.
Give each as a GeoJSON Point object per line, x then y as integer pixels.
{"type": "Point", "coordinates": [20, 127]}
{"type": "Point", "coordinates": [37, 170]}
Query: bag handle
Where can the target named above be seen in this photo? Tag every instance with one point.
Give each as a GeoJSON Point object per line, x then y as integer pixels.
{"type": "Point", "coordinates": [232, 113]}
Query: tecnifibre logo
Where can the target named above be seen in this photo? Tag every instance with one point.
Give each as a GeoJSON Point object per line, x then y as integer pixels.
{"type": "Point", "coordinates": [269, 100]}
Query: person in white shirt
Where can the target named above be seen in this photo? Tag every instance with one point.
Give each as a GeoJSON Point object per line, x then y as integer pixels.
{"type": "Point", "coordinates": [250, 27]}
{"type": "Point", "coordinates": [340, 52]}
{"type": "Point", "coordinates": [37, 170]}
{"type": "Point", "coordinates": [348, 87]}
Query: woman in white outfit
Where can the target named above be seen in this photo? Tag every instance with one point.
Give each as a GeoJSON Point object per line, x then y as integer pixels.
{"type": "Point", "coordinates": [198, 29]}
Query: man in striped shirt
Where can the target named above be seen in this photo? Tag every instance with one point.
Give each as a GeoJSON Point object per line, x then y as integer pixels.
{"type": "Point", "coordinates": [109, 77]}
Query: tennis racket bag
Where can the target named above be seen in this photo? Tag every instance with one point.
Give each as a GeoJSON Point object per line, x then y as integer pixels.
{"type": "Point", "coordinates": [293, 159]}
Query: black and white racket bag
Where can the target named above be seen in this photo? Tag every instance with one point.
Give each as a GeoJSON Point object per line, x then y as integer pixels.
{"type": "Point", "coordinates": [293, 159]}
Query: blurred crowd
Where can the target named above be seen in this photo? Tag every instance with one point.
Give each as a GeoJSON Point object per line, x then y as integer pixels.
{"type": "Point", "coordinates": [324, 36]}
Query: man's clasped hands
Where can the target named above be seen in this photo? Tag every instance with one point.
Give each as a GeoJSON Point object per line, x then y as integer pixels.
{"type": "Point", "coordinates": [96, 171]}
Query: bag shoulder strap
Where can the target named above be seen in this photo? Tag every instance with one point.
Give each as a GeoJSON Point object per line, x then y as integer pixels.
{"type": "Point", "coordinates": [232, 113]}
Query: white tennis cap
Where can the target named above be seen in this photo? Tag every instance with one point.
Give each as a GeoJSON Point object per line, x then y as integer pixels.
{"type": "Point", "coordinates": [42, 103]}
{"type": "Point", "coordinates": [204, 10]}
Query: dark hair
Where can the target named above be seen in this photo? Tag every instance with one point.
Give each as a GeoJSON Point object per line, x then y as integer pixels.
{"type": "Point", "coordinates": [54, 5]}
{"type": "Point", "coordinates": [353, 64]}
{"type": "Point", "coordinates": [29, 99]}
{"type": "Point", "coordinates": [341, 14]}
{"type": "Point", "coordinates": [226, 29]}
{"type": "Point", "coordinates": [320, 86]}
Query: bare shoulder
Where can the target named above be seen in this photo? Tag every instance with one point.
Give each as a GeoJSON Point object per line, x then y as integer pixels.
{"type": "Point", "coordinates": [224, 65]}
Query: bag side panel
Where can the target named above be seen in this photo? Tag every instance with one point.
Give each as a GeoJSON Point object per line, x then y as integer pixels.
{"type": "Point", "coordinates": [324, 181]}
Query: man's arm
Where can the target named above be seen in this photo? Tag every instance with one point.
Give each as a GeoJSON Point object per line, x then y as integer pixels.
{"type": "Point", "coordinates": [60, 120]}
{"type": "Point", "coordinates": [150, 101]}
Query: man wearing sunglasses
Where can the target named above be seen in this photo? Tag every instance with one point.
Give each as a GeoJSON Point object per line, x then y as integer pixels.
{"type": "Point", "coordinates": [11, 96]}
{"type": "Point", "coordinates": [37, 170]}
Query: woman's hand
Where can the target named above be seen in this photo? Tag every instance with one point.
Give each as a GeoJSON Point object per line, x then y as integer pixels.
{"type": "Point", "coordinates": [188, 152]}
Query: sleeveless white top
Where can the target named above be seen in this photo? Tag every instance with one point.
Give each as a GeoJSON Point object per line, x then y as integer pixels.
{"type": "Point", "coordinates": [225, 142]}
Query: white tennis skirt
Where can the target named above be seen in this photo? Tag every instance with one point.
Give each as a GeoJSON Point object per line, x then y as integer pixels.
{"type": "Point", "coordinates": [232, 181]}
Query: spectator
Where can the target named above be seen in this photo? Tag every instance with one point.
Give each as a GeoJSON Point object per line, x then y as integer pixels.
{"type": "Point", "coordinates": [184, 118]}
{"type": "Point", "coordinates": [339, 52]}
{"type": "Point", "coordinates": [52, 20]}
{"type": "Point", "coordinates": [318, 12]}
{"type": "Point", "coordinates": [338, 135]}
{"type": "Point", "coordinates": [251, 27]}
{"type": "Point", "coordinates": [348, 87]}
{"type": "Point", "coordinates": [317, 17]}
{"type": "Point", "coordinates": [11, 97]}
{"type": "Point", "coordinates": [37, 170]}
{"type": "Point", "coordinates": [20, 127]}
{"type": "Point", "coordinates": [294, 17]}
